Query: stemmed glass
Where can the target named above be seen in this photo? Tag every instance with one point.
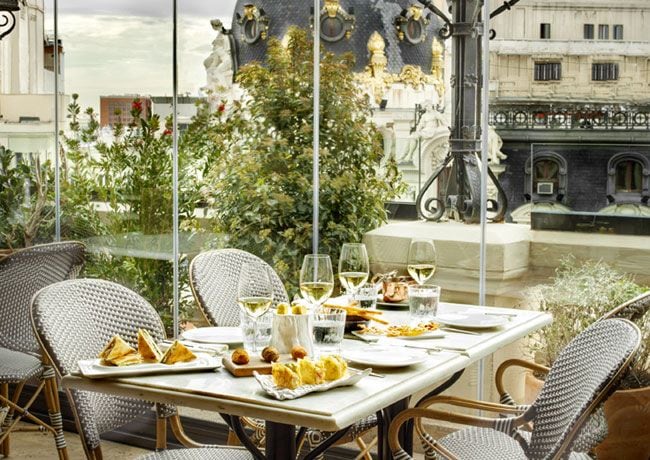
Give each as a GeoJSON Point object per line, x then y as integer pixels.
{"type": "Point", "coordinates": [421, 263]}
{"type": "Point", "coordinates": [354, 268]}
{"type": "Point", "coordinates": [316, 279]}
{"type": "Point", "coordinates": [254, 293]}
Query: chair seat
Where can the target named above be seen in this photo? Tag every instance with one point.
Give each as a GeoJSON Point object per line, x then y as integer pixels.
{"type": "Point", "coordinates": [16, 367]}
{"type": "Point", "coordinates": [204, 453]}
{"type": "Point", "coordinates": [526, 435]}
{"type": "Point", "coordinates": [481, 444]}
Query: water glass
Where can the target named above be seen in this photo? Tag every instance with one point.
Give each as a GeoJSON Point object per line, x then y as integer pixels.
{"type": "Point", "coordinates": [256, 340]}
{"type": "Point", "coordinates": [367, 296]}
{"type": "Point", "coordinates": [423, 301]}
{"type": "Point", "coordinates": [328, 328]}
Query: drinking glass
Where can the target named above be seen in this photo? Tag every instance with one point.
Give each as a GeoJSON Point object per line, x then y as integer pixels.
{"type": "Point", "coordinates": [421, 263]}
{"type": "Point", "coordinates": [316, 279]}
{"type": "Point", "coordinates": [328, 329]}
{"type": "Point", "coordinates": [255, 292]}
{"type": "Point", "coordinates": [423, 302]}
{"type": "Point", "coordinates": [353, 267]}
{"type": "Point", "coordinates": [367, 296]}
{"type": "Point", "coordinates": [256, 332]}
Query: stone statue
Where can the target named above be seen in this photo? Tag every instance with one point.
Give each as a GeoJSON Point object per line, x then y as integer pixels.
{"type": "Point", "coordinates": [390, 141]}
{"type": "Point", "coordinates": [218, 65]}
{"type": "Point", "coordinates": [495, 155]}
{"type": "Point", "coordinates": [431, 125]}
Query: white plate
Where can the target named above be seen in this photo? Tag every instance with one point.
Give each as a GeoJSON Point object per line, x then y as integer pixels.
{"type": "Point", "coordinates": [227, 335]}
{"type": "Point", "coordinates": [92, 368]}
{"type": "Point", "coordinates": [380, 356]}
{"type": "Point", "coordinates": [471, 320]}
{"type": "Point", "coordinates": [437, 334]}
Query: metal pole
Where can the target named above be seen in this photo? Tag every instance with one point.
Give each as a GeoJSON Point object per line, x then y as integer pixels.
{"type": "Point", "coordinates": [484, 171]}
{"type": "Point", "coordinates": [175, 244]}
{"type": "Point", "coordinates": [315, 147]}
{"type": "Point", "coordinates": [57, 162]}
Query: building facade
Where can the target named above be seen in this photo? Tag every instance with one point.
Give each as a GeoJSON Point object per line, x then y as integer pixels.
{"type": "Point", "coordinates": [570, 96]}
{"type": "Point", "coordinates": [117, 109]}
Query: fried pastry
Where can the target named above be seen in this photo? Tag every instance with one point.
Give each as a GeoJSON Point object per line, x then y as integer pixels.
{"type": "Point", "coordinates": [334, 366]}
{"type": "Point", "coordinates": [286, 375]}
{"type": "Point", "coordinates": [177, 353]}
{"type": "Point", "coordinates": [114, 350]}
{"type": "Point", "coordinates": [310, 373]}
{"type": "Point", "coordinates": [127, 360]}
{"type": "Point", "coordinates": [147, 347]}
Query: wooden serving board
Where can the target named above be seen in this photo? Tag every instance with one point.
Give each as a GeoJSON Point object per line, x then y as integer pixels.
{"type": "Point", "coordinates": [256, 364]}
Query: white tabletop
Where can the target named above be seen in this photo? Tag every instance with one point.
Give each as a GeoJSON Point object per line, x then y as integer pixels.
{"type": "Point", "coordinates": [336, 409]}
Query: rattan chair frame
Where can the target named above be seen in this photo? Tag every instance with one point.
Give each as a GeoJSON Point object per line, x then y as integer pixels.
{"type": "Point", "coordinates": [164, 413]}
{"type": "Point", "coordinates": [14, 412]}
{"type": "Point", "coordinates": [524, 415]}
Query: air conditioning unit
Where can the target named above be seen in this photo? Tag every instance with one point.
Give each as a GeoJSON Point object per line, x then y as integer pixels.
{"type": "Point", "coordinates": [545, 188]}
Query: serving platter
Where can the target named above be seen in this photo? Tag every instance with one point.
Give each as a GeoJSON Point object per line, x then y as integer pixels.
{"type": "Point", "coordinates": [471, 320]}
{"type": "Point", "coordinates": [385, 356]}
{"type": "Point", "coordinates": [92, 368]}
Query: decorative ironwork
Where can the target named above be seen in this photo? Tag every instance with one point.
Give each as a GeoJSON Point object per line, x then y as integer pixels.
{"type": "Point", "coordinates": [7, 23]}
{"type": "Point", "coordinates": [448, 29]}
{"type": "Point", "coordinates": [570, 117]}
{"type": "Point", "coordinates": [458, 177]}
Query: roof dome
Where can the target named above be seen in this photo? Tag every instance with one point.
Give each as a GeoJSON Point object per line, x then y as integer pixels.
{"type": "Point", "coordinates": [346, 26]}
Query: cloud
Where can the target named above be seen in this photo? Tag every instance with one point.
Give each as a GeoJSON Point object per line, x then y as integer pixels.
{"type": "Point", "coordinates": [111, 54]}
{"type": "Point", "coordinates": [147, 8]}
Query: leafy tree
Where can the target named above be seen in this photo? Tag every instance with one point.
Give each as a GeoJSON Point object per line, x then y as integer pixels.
{"type": "Point", "coordinates": [261, 178]}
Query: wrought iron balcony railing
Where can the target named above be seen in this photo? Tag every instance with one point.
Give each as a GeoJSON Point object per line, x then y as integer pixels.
{"type": "Point", "coordinates": [570, 117]}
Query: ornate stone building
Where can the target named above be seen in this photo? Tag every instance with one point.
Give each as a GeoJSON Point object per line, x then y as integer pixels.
{"type": "Point", "coordinates": [570, 93]}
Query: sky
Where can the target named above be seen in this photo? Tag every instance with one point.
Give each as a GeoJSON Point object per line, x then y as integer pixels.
{"type": "Point", "coordinates": [115, 47]}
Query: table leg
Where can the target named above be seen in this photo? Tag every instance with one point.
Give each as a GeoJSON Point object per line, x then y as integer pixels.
{"type": "Point", "coordinates": [405, 435]}
{"type": "Point", "coordinates": [235, 424]}
{"type": "Point", "coordinates": [280, 441]}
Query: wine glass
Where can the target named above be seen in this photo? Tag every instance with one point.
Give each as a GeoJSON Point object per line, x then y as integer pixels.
{"type": "Point", "coordinates": [255, 293]}
{"type": "Point", "coordinates": [354, 268]}
{"type": "Point", "coordinates": [421, 263]}
{"type": "Point", "coordinates": [316, 279]}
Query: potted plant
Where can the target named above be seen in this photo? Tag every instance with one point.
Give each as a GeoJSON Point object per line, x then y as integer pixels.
{"type": "Point", "coordinates": [580, 294]}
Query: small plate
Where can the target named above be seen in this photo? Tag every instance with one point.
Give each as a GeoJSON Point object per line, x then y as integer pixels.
{"type": "Point", "coordinates": [227, 335]}
{"type": "Point", "coordinates": [471, 320]}
{"type": "Point", "coordinates": [92, 368]}
{"type": "Point", "coordinates": [392, 305]}
{"type": "Point", "coordinates": [380, 356]}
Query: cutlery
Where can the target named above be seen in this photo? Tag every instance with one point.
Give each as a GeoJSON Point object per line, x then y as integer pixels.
{"type": "Point", "coordinates": [461, 351]}
{"type": "Point", "coordinates": [460, 331]}
{"type": "Point", "coordinates": [363, 338]}
{"type": "Point", "coordinates": [211, 351]}
{"type": "Point", "coordinates": [372, 374]}
{"type": "Point", "coordinates": [509, 315]}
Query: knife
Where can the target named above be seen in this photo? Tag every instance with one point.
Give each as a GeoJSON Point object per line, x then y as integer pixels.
{"type": "Point", "coordinates": [462, 351]}
{"type": "Point", "coordinates": [460, 331]}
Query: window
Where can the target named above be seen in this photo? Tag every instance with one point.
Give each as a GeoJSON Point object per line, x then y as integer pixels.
{"type": "Point", "coordinates": [618, 32]}
{"type": "Point", "coordinates": [604, 71]}
{"type": "Point", "coordinates": [603, 32]}
{"type": "Point", "coordinates": [629, 176]}
{"type": "Point", "coordinates": [588, 31]}
{"type": "Point", "coordinates": [546, 181]}
{"type": "Point", "coordinates": [548, 71]}
{"type": "Point", "coordinates": [545, 30]}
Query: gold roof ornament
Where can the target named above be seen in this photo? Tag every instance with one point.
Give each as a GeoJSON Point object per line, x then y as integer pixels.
{"type": "Point", "coordinates": [250, 11]}
{"type": "Point", "coordinates": [332, 7]}
{"type": "Point", "coordinates": [378, 59]}
{"type": "Point", "coordinates": [416, 12]}
{"type": "Point", "coordinates": [438, 67]}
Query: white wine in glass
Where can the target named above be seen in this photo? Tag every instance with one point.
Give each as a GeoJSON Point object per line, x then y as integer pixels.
{"type": "Point", "coordinates": [316, 279]}
{"type": "Point", "coordinates": [254, 293]}
{"type": "Point", "coordinates": [421, 260]}
{"type": "Point", "coordinates": [354, 268]}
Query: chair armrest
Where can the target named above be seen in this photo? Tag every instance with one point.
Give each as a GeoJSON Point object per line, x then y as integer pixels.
{"type": "Point", "coordinates": [498, 377]}
{"type": "Point", "coordinates": [471, 404]}
{"type": "Point", "coordinates": [417, 413]}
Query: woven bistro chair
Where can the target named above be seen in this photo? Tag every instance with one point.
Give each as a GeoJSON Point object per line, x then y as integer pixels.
{"type": "Point", "coordinates": [22, 274]}
{"type": "Point", "coordinates": [585, 373]}
{"type": "Point", "coordinates": [74, 320]}
{"type": "Point", "coordinates": [595, 430]}
{"type": "Point", "coordinates": [214, 277]}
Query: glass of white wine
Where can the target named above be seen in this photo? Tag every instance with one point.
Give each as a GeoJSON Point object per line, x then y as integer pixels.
{"type": "Point", "coordinates": [316, 279]}
{"type": "Point", "coordinates": [354, 267]}
{"type": "Point", "coordinates": [255, 293]}
{"type": "Point", "coordinates": [421, 263]}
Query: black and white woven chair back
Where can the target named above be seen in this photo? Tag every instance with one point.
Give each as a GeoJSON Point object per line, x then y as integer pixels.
{"type": "Point", "coordinates": [74, 320]}
{"type": "Point", "coordinates": [23, 274]}
{"type": "Point", "coordinates": [583, 374]}
{"type": "Point", "coordinates": [634, 309]}
{"type": "Point", "coordinates": [214, 276]}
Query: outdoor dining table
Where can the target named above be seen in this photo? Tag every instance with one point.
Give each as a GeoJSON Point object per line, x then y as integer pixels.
{"type": "Point", "coordinates": [336, 409]}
